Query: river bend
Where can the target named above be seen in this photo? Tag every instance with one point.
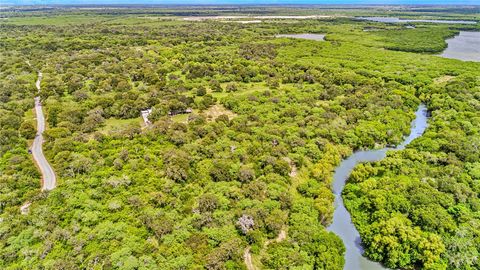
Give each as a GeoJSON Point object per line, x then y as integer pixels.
{"type": "Point", "coordinates": [342, 223]}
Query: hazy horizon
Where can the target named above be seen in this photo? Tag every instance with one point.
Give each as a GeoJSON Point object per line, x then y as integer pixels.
{"type": "Point", "coordinates": [241, 2]}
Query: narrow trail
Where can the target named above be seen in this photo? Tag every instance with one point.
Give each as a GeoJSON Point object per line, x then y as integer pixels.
{"type": "Point", "coordinates": [247, 257]}
{"type": "Point", "coordinates": [282, 235]}
{"type": "Point", "coordinates": [49, 179]}
{"type": "Point", "coordinates": [293, 167]}
{"type": "Point", "coordinates": [48, 175]}
{"type": "Point", "coordinates": [24, 208]}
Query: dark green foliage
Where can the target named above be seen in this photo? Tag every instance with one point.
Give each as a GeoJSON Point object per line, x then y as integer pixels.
{"type": "Point", "coordinates": [422, 40]}
{"type": "Point", "coordinates": [242, 125]}
{"type": "Point", "coordinates": [411, 206]}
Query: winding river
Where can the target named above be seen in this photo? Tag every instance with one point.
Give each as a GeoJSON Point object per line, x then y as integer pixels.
{"type": "Point", "coordinates": [342, 223]}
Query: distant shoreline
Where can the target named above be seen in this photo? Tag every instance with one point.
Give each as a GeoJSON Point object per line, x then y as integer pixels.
{"type": "Point", "coordinates": [306, 5]}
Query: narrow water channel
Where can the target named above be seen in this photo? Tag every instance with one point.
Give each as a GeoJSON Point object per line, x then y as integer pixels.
{"type": "Point", "coordinates": [342, 223]}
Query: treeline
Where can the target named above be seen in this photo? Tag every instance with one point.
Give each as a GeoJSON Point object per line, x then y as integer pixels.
{"type": "Point", "coordinates": [19, 179]}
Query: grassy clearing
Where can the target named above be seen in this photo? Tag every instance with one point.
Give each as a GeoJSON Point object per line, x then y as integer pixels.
{"type": "Point", "coordinates": [180, 118]}
{"type": "Point", "coordinates": [443, 79]}
{"type": "Point", "coordinates": [114, 125]}
{"type": "Point", "coordinates": [216, 110]}
{"type": "Point", "coordinates": [243, 89]}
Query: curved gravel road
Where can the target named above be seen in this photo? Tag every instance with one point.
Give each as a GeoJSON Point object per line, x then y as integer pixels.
{"type": "Point", "coordinates": [48, 175]}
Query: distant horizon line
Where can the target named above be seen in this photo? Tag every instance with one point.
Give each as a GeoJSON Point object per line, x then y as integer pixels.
{"type": "Point", "coordinates": [241, 4]}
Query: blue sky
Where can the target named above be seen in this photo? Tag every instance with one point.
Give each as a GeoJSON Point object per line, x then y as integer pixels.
{"type": "Point", "coordinates": [387, 2]}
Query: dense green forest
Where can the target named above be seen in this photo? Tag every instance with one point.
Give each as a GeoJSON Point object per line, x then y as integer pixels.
{"type": "Point", "coordinates": [421, 206]}
{"type": "Point", "coordinates": [246, 132]}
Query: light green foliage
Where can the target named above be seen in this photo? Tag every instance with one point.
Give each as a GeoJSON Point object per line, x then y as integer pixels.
{"type": "Point", "coordinates": [169, 196]}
